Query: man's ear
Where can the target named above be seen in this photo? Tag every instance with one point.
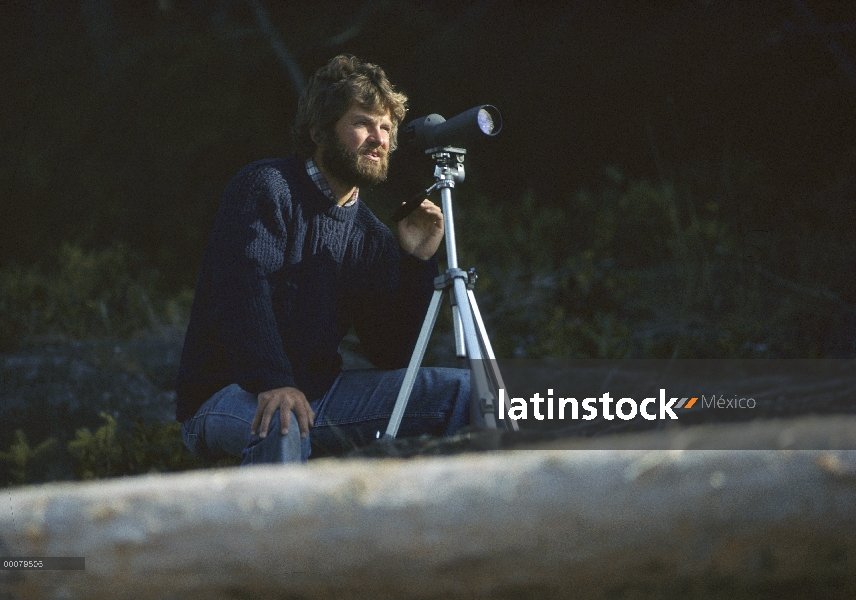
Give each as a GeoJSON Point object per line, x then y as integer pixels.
{"type": "Point", "coordinates": [314, 136]}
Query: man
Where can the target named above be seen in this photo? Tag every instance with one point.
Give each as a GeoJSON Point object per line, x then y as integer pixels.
{"type": "Point", "coordinates": [294, 260]}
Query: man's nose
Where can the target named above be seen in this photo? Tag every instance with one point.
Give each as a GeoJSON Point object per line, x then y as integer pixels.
{"type": "Point", "coordinates": [378, 136]}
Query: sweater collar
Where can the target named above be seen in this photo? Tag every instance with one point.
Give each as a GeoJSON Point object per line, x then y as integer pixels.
{"type": "Point", "coordinates": [313, 192]}
{"type": "Point", "coordinates": [318, 178]}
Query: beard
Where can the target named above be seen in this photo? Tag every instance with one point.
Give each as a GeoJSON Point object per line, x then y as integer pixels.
{"type": "Point", "coordinates": [351, 168]}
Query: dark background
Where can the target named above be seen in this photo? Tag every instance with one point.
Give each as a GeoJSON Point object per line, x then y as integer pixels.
{"type": "Point", "coordinates": [672, 178]}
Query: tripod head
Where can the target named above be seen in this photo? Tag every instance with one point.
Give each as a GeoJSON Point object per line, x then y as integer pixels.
{"type": "Point", "coordinates": [448, 165]}
{"type": "Point", "coordinates": [448, 170]}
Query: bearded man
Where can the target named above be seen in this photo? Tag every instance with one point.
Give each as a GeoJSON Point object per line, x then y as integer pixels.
{"type": "Point", "coordinates": [295, 260]}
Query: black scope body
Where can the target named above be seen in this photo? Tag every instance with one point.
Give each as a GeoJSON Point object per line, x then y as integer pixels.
{"type": "Point", "coordinates": [434, 131]}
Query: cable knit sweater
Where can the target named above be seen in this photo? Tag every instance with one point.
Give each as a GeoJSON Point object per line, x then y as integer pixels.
{"type": "Point", "coordinates": [286, 274]}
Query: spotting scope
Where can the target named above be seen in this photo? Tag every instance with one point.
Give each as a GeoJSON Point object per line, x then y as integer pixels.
{"type": "Point", "coordinates": [434, 131]}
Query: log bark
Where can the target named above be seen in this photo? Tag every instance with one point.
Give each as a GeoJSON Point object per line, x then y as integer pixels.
{"type": "Point", "coordinates": [514, 524]}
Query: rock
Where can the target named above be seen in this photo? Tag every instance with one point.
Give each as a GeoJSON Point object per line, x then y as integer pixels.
{"type": "Point", "coordinates": [128, 378]}
{"type": "Point", "coordinates": [45, 386]}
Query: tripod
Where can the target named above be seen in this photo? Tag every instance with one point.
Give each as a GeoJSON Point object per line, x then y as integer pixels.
{"type": "Point", "coordinates": [471, 338]}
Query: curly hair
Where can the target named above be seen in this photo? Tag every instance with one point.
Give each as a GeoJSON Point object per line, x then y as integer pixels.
{"type": "Point", "coordinates": [329, 94]}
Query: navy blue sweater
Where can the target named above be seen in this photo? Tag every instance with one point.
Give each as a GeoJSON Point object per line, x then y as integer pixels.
{"type": "Point", "coordinates": [286, 274]}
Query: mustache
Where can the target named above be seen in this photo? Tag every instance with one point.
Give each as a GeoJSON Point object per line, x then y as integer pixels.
{"type": "Point", "coordinates": [366, 149]}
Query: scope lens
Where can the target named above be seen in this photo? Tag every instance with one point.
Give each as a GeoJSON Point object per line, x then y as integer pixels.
{"type": "Point", "coordinates": [485, 120]}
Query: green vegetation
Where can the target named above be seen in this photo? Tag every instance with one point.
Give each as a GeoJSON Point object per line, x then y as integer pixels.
{"type": "Point", "coordinates": [109, 451]}
{"type": "Point", "coordinates": [662, 270]}
{"type": "Point", "coordinates": [21, 463]}
{"type": "Point", "coordinates": [145, 448]}
{"type": "Point", "coordinates": [83, 294]}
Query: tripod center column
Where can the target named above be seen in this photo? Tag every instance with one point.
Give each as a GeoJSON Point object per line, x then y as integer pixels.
{"type": "Point", "coordinates": [451, 248]}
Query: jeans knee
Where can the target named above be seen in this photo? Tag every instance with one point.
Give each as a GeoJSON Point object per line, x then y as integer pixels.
{"type": "Point", "coordinates": [277, 447]}
{"type": "Point", "coordinates": [193, 440]}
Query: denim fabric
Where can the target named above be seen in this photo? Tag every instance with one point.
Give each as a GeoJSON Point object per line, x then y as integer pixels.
{"type": "Point", "coordinates": [221, 427]}
{"type": "Point", "coordinates": [350, 414]}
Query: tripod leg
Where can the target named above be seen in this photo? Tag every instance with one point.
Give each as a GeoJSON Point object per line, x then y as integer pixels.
{"type": "Point", "coordinates": [460, 343]}
{"type": "Point", "coordinates": [483, 402]}
{"type": "Point", "coordinates": [413, 367]}
{"type": "Point", "coordinates": [490, 364]}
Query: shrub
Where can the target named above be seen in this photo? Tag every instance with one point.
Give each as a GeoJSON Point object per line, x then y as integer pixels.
{"type": "Point", "coordinates": [22, 464]}
{"type": "Point", "coordinates": [86, 294]}
{"type": "Point", "coordinates": [143, 448]}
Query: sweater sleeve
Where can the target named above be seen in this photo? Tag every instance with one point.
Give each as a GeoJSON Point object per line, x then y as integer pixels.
{"type": "Point", "coordinates": [248, 244]}
{"type": "Point", "coordinates": [397, 300]}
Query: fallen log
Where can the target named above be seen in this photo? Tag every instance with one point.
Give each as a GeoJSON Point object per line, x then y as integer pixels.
{"type": "Point", "coordinates": [535, 524]}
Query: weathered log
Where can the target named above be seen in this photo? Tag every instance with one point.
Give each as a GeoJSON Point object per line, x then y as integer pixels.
{"type": "Point", "coordinates": [535, 524]}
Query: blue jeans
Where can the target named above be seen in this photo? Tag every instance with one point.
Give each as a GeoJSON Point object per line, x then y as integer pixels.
{"type": "Point", "coordinates": [350, 414]}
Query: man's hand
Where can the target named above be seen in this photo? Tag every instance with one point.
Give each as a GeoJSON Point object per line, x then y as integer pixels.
{"type": "Point", "coordinates": [287, 400]}
{"type": "Point", "coordinates": [421, 232]}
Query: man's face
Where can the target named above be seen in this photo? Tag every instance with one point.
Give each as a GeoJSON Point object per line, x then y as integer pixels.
{"type": "Point", "coordinates": [359, 155]}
